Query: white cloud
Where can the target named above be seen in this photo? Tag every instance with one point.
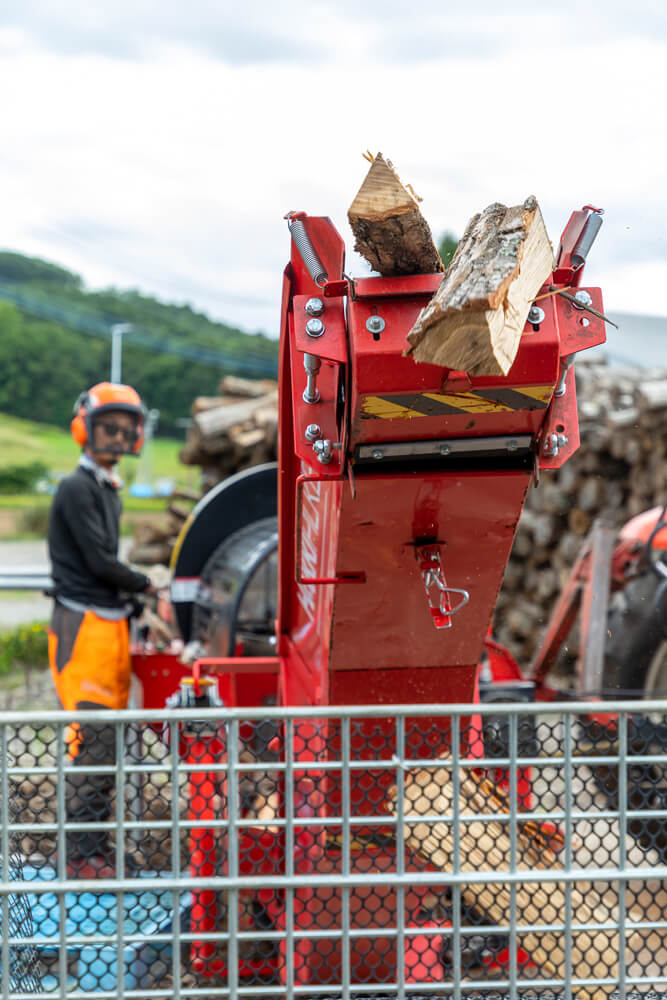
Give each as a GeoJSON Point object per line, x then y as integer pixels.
{"type": "Point", "coordinates": [170, 169]}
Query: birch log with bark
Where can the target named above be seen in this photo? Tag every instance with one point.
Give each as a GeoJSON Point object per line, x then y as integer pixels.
{"type": "Point", "coordinates": [390, 231]}
{"type": "Point", "coordinates": [486, 845]}
{"type": "Point", "coordinates": [221, 418]}
{"type": "Point", "coordinates": [475, 320]}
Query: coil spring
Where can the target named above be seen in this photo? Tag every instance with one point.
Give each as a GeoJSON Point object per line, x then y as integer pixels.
{"type": "Point", "coordinates": [308, 253]}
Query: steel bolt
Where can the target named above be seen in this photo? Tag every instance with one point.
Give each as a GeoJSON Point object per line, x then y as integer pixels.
{"type": "Point", "coordinates": [377, 453]}
{"type": "Point", "coordinates": [554, 443]}
{"type": "Point", "coordinates": [445, 449]}
{"type": "Point", "coordinates": [313, 432]}
{"type": "Point", "coordinates": [314, 307]}
{"type": "Point", "coordinates": [535, 315]}
{"type": "Point", "coordinates": [323, 450]}
{"type": "Point", "coordinates": [314, 327]}
{"type": "Point", "coordinates": [375, 324]}
{"type": "Point", "coordinates": [582, 299]}
{"type": "Point", "coordinates": [312, 364]}
{"type": "Point", "coordinates": [512, 444]}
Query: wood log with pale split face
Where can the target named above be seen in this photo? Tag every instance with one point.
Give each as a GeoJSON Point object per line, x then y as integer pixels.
{"type": "Point", "coordinates": [486, 845]}
{"type": "Point", "coordinates": [390, 231]}
{"type": "Point", "coordinates": [475, 320]}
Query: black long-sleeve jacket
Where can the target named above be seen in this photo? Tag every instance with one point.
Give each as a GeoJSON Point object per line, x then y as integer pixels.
{"type": "Point", "coordinates": [83, 543]}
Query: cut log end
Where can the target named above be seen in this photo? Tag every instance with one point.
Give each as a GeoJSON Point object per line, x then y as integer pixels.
{"type": "Point", "coordinates": [484, 844]}
{"type": "Point", "coordinates": [390, 231]}
{"type": "Point", "coordinates": [475, 319]}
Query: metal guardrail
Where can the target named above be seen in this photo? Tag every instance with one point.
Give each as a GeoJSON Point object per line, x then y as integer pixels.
{"type": "Point", "coordinates": [333, 853]}
{"type": "Point", "coordinates": [26, 578]}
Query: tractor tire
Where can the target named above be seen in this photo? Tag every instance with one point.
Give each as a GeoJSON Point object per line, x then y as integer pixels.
{"type": "Point", "coordinates": [636, 650]}
{"type": "Point", "coordinates": [636, 667]}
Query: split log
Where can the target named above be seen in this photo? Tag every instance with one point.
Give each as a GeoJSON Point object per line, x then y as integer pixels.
{"type": "Point", "coordinates": [202, 403]}
{"type": "Point", "coordinates": [183, 493]}
{"type": "Point", "coordinates": [579, 521]}
{"type": "Point", "coordinates": [486, 846]}
{"type": "Point", "coordinates": [475, 320]}
{"type": "Point", "coordinates": [592, 493]}
{"type": "Point", "coordinates": [544, 530]}
{"type": "Point", "coordinates": [524, 617]}
{"type": "Point", "coordinates": [232, 385]}
{"type": "Point", "coordinates": [246, 439]}
{"type": "Point", "coordinates": [179, 511]}
{"type": "Point", "coordinates": [654, 394]}
{"type": "Point", "coordinates": [148, 555]}
{"type": "Point", "coordinates": [390, 231]}
{"type": "Point", "coordinates": [150, 533]}
{"type": "Point", "coordinates": [174, 527]}
{"type": "Point", "coordinates": [221, 418]}
{"type": "Point", "coordinates": [620, 470]}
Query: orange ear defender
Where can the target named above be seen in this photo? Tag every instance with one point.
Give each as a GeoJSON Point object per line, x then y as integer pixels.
{"type": "Point", "coordinates": [78, 425]}
{"type": "Point", "coordinates": [103, 397]}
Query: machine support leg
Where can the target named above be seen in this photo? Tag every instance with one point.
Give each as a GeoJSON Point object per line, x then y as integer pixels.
{"type": "Point", "coordinates": [202, 750]}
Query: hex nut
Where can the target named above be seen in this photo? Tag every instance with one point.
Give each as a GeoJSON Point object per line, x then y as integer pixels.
{"type": "Point", "coordinates": [314, 307]}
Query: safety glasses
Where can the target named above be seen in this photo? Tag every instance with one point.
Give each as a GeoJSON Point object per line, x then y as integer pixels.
{"type": "Point", "coordinates": [112, 429]}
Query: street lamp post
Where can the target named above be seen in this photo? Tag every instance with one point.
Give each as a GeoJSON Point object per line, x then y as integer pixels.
{"type": "Point", "coordinates": [117, 331]}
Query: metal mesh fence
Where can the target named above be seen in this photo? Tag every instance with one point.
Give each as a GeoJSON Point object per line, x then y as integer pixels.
{"type": "Point", "coordinates": [501, 851]}
{"type": "Point", "coordinates": [20, 958]}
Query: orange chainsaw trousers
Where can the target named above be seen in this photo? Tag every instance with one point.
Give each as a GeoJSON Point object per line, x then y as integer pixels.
{"type": "Point", "coordinates": [89, 659]}
{"type": "Point", "coordinates": [90, 665]}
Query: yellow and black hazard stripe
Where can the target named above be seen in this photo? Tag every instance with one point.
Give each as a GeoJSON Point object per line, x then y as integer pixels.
{"type": "Point", "coordinates": [406, 406]}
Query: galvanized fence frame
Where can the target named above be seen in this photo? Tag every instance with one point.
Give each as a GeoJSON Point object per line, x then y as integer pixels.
{"type": "Point", "coordinates": [400, 766]}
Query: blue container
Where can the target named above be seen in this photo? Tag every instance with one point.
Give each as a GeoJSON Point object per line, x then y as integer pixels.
{"type": "Point", "coordinates": [93, 914]}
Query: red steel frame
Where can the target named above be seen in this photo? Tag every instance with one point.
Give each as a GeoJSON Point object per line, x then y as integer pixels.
{"type": "Point", "coordinates": [354, 625]}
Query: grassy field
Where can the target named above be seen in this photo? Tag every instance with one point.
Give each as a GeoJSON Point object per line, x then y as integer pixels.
{"type": "Point", "coordinates": [24, 442]}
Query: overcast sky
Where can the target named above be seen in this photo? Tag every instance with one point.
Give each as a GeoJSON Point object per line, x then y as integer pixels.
{"type": "Point", "coordinates": [157, 144]}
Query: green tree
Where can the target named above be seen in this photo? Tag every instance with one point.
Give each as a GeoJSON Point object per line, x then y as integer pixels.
{"type": "Point", "coordinates": [47, 360]}
{"type": "Point", "coordinates": [16, 267]}
{"type": "Point", "coordinates": [447, 247]}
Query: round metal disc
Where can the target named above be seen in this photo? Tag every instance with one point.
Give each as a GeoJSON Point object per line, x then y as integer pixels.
{"type": "Point", "coordinates": [246, 497]}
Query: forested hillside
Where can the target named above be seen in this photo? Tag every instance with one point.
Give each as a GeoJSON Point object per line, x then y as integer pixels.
{"type": "Point", "coordinates": [55, 340]}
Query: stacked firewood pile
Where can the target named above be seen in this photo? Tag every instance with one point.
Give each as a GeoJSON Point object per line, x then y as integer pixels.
{"type": "Point", "coordinates": [232, 431]}
{"type": "Point", "coordinates": [229, 432]}
{"type": "Point", "coordinates": [619, 471]}
{"type": "Point", "coordinates": [153, 541]}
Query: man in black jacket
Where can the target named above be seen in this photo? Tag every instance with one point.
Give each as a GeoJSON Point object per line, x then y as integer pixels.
{"type": "Point", "coordinates": [95, 594]}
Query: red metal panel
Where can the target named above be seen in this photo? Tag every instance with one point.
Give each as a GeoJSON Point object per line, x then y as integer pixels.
{"type": "Point", "coordinates": [479, 406]}
{"type": "Point", "coordinates": [332, 344]}
{"type": "Point", "coordinates": [403, 285]}
{"type": "Point", "coordinates": [386, 621]}
{"type": "Point", "coordinates": [579, 329]}
{"type": "Point", "coordinates": [159, 674]}
{"type": "Point", "coordinates": [325, 412]}
{"type": "Point", "coordinates": [311, 604]}
{"type": "Point", "coordinates": [440, 685]}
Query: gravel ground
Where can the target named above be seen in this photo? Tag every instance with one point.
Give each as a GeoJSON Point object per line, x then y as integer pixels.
{"type": "Point", "coordinates": [30, 689]}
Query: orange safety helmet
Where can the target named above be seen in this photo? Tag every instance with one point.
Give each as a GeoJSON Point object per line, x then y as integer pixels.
{"type": "Point", "coordinates": [102, 398]}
